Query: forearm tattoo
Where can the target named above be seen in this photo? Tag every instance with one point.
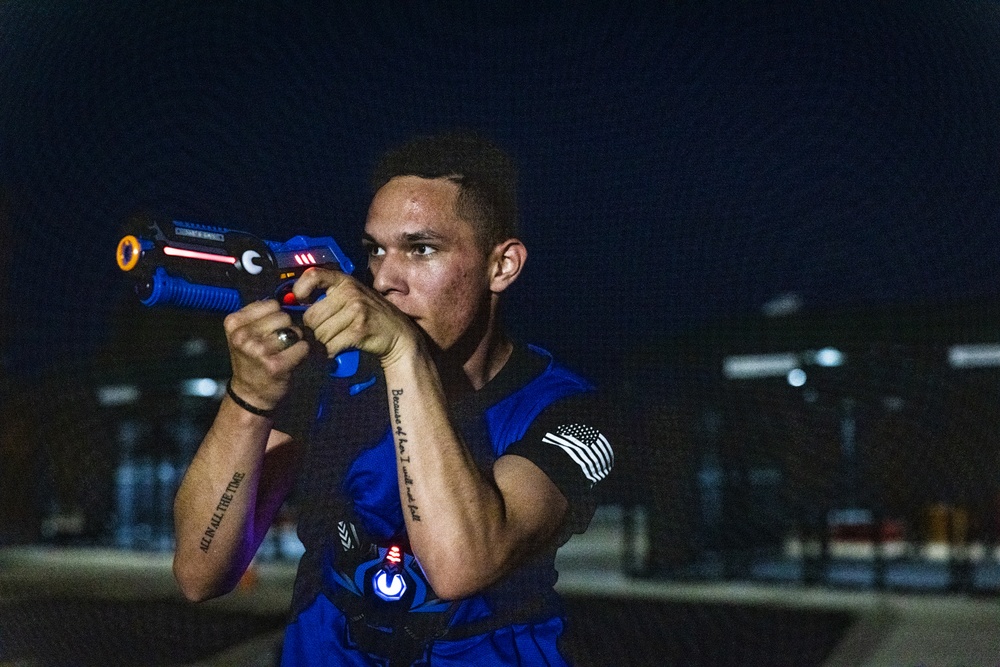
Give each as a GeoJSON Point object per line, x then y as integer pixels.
{"type": "Point", "coordinates": [404, 458]}
{"type": "Point", "coordinates": [220, 510]}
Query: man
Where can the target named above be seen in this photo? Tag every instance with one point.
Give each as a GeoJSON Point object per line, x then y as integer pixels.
{"type": "Point", "coordinates": [438, 483]}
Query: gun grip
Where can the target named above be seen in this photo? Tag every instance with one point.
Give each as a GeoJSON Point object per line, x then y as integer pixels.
{"type": "Point", "coordinates": [345, 364]}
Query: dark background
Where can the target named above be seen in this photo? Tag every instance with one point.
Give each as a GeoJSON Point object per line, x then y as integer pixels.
{"type": "Point", "coordinates": [681, 163]}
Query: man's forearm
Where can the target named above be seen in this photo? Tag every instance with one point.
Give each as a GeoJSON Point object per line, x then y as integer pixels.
{"type": "Point", "coordinates": [454, 513]}
{"type": "Point", "coordinates": [226, 501]}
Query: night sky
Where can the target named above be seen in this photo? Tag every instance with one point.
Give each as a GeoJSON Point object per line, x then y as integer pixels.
{"type": "Point", "coordinates": [681, 162]}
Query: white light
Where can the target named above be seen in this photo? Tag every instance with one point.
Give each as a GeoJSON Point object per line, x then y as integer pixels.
{"type": "Point", "coordinates": [201, 387]}
{"type": "Point", "coordinates": [388, 589]}
{"type": "Point", "coordinates": [982, 355]}
{"type": "Point", "coordinates": [195, 347]}
{"type": "Point", "coordinates": [796, 377]}
{"type": "Point", "coordinates": [893, 403]}
{"type": "Point", "coordinates": [117, 394]}
{"type": "Point", "coordinates": [749, 366]}
{"type": "Point", "coordinates": [783, 305]}
{"type": "Point", "coordinates": [829, 357]}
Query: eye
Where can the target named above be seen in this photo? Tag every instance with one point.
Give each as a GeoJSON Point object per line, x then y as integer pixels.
{"type": "Point", "coordinates": [375, 251]}
{"type": "Point", "coordinates": [423, 250]}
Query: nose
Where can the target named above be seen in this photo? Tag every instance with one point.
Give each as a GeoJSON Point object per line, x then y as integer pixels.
{"type": "Point", "coordinates": [388, 274]}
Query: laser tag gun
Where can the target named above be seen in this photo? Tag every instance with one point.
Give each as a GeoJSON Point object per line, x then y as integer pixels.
{"type": "Point", "coordinates": [197, 266]}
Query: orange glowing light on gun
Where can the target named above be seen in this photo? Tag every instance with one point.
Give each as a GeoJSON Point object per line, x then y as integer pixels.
{"type": "Point", "coordinates": [128, 253]}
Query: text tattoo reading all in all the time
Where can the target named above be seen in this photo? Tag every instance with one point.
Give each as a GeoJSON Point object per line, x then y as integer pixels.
{"type": "Point", "coordinates": [220, 510]}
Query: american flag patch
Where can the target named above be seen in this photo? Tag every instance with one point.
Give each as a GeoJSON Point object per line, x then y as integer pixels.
{"type": "Point", "coordinates": [585, 445]}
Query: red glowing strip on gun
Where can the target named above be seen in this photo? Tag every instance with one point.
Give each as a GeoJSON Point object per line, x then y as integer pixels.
{"type": "Point", "coordinates": [305, 258]}
{"type": "Point", "coordinates": [194, 254]}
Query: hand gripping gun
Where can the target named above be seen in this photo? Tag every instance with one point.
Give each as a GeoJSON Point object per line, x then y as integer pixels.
{"type": "Point", "coordinates": [197, 266]}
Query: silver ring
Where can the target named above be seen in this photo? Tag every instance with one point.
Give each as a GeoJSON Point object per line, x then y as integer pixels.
{"type": "Point", "coordinates": [287, 337]}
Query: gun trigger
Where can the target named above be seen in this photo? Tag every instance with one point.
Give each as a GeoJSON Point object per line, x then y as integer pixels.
{"type": "Point", "coordinates": [345, 364]}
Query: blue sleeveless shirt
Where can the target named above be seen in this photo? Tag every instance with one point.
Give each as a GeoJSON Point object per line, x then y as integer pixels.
{"type": "Point", "coordinates": [351, 516]}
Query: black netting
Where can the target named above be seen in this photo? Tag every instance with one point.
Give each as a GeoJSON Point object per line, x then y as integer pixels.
{"type": "Point", "coordinates": [767, 230]}
{"type": "Point", "coordinates": [61, 632]}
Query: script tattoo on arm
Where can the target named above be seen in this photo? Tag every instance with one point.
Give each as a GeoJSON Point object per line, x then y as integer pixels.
{"type": "Point", "coordinates": [220, 510]}
{"type": "Point", "coordinates": [404, 458]}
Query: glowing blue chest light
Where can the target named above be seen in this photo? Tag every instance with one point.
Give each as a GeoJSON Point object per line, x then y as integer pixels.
{"type": "Point", "coordinates": [388, 582]}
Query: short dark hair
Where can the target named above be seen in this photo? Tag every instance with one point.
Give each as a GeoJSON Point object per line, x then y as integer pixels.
{"type": "Point", "coordinates": [485, 175]}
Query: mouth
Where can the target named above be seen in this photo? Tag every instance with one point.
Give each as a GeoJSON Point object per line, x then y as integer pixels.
{"type": "Point", "coordinates": [410, 316]}
{"type": "Point", "coordinates": [416, 319]}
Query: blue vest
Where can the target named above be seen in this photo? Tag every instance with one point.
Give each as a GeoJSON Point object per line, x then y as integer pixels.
{"type": "Point", "coordinates": [352, 516]}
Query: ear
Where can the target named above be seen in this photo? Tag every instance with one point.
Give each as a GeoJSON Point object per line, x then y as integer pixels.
{"type": "Point", "coordinates": [506, 261]}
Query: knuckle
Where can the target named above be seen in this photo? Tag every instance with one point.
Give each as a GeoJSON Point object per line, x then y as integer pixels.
{"type": "Point", "coordinates": [231, 322]}
{"type": "Point", "coordinates": [356, 310]}
{"type": "Point", "coordinates": [239, 337]}
{"type": "Point", "coordinates": [308, 277]}
{"type": "Point", "coordinates": [343, 285]}
{"type": "Point", "coordinates": [350, 309]}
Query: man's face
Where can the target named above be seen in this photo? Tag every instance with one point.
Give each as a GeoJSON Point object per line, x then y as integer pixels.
{"type": "Point", "coordinates": [424, 259]}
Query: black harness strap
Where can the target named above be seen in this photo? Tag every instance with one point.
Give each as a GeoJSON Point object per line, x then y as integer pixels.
{"type": "Point", "coordinates": [400, 638]}
{"type": "Point", "coordinates": [405, 638]}
{"type": "Point", "coordinates": [399, 635]}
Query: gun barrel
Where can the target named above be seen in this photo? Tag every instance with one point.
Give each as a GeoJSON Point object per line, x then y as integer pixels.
{"type": "Point", "coordinates": [166, 290]}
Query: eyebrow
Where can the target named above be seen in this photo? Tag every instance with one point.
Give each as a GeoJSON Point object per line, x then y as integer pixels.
{"type": "Point", "coordinates": [407, 238]}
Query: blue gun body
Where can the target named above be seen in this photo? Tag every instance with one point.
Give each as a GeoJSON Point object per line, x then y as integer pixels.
{"type": "Point", "coordinates": [203, 267]}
